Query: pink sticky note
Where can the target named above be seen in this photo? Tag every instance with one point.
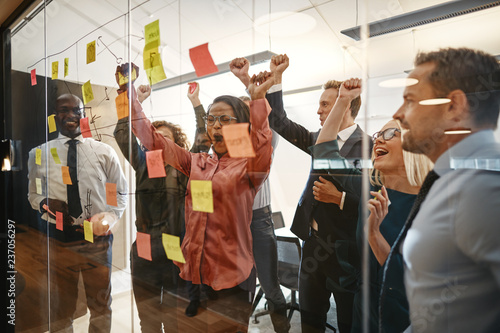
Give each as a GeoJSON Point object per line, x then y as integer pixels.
{"type": "Point", "coordinates": [33, 77]}
{"type": "Point", "coordinates": [59, 221]}
{"type": "Point", "coordinates": [143, 242]}
{"type": "Point", "coordinates": [111, 194]}
{"type": "Point", "coordinates": [47, 208]}
{"type": "Point", "coordinates": [238, 140]}
{"type": "Point", "coordinates": [202, 60]}
{"type": "Point", "coordinates": [85, 128]}
{"type": "Point", "coordinates": [154, 161]}
{"type": "Point", "coordinates": [192, 87]}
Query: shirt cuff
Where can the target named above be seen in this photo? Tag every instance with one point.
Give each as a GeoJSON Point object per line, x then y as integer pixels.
{"type": "Point", "coordinates": [341, 206]}
{"type": "Point", "coordinates": [275, 88]}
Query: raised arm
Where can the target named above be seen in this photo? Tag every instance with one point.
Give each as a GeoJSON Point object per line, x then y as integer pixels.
{"type": "Point", "coordinates": [349, 90]}
{"type": "Point", "coordinates": [199, 112]}
{"type": "Point", "coordinates": [258, 167]}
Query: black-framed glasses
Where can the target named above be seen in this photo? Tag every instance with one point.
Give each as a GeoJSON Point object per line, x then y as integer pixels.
{"type": "Point", "coordinates": [386, 134]}
{"type": "Point", "coordinates": [223, 119]}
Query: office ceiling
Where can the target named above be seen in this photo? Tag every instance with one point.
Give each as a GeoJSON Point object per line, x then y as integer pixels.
{"type": "Point", "coordinates": [307, 30]}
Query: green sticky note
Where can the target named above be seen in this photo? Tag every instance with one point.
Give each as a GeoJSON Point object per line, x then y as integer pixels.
{"type": "Point", "coordinates": [38, 186]}
{"type": "Point", "coordinates": [87, 93]}
{"type": "Point", "coordinates": [53, 151]}
{"type": "Point", "coordinates": [152, 32]}
{"type": "Point", "coordinates": [52, 123]}
{"type": "Point", "coordinates": [172, 247]}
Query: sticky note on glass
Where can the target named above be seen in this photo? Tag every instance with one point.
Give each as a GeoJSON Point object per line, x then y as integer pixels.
{"type": "Point", "coordinates": [122, 105]}
{"type": "Point", "coordinates": [111, 194]}
{"type": "Point", "coordinates": [152, 63]}
{"type": "Point", "coordinates": [238, 140]}
{"type": "Point", "coordinates": [53, 152]}
{"type": "Point", "coordinates": [88, 231]}
{"type": "Point", "coordinates": [66, 66]}
{"type": "Point", "coordinates": [65, 175]}
{"type": "Point", "coordinates": [152, 32]}
{"type": "Point", "coordinates": [52, 123]}
{"type": "Point", "coordinates": [202, 60]}
{"type": "Point", "coordinates": [124, 79]}
{"type": "Point", "coordinates": [87, 93]}
{"type": "Point", "coordinates": [38, 156]}
{"type": "Point", "coordinates": [154, 161]}
{"type": "Point", "coordinates": [85, 127]}
{"type": "Point", "coordinates": [59, 221]}
{"type": "Point", "coordinates": [143, 242]}
{"type": "Point", "coordinates": [33, 77]}
{"type": "Point", "coordinates": [172, 246]}
{"type": "Point", "coordinates": [48, 210]}
{"type": "Point", "coordinates": [38, 186]}
{"type": "Point", "coordinates": [201, 193]}
{"type": "Point", "coordinates": [91, 52]}
{"type": "Point", "coordinates": [55, 70]}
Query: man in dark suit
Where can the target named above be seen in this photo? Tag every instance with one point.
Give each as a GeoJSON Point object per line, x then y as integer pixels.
{"type": "Point", "coordinates": [326, 223]}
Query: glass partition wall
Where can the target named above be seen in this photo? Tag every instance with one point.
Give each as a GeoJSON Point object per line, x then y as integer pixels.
{"type": "Point", "coordinates": [134, 205]}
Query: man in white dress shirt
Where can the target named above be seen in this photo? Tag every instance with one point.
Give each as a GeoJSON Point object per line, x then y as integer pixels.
{"type": "Point", "coordinates": [452, 249]}
{"type": "Point", "coordinates": [91, 165]}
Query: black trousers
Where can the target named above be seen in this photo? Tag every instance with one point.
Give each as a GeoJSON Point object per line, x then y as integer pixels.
{"type": "Point", "coordinates": [319, 263]}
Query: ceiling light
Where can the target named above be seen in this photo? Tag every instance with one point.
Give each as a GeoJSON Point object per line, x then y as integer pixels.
{"type": "Point", "coordinates": [284, 24]}
{"type": "Point", "coordinates": [420, 17]}
{"type": "Point", "coordinates": [435, 101]}
{"type": "Point", "coordinates": [397, 83]}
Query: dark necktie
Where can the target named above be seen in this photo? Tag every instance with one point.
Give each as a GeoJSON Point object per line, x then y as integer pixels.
{"type": "Point", "coordinates": [74, 204]}
{"type": "Point", "coordinates": [432, 176]}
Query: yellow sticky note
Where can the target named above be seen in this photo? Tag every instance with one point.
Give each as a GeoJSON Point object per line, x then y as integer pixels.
{"type": "Point", "coordinates": [38, 154]}
{"type": "Point", "coordinates": [124, 79]}
{"type": "Point", "coordinates": [53, 151]}
{"type": "Point", "coordinates": [38, 186]}
{"type": "Point", "coordinates": [55, 70]}
{"type": "Point", "coordinates": [52, 123]}
{"type": "Point", "coordinates": [201, 193]}
{"type": "Point", "coordinates": [91, 52]}
{"type": "Point", "coordinates": [172, 246]}
{"type": "Point", "coordinates": [65, 175]}
{"type": "Point", "coordinates": [88, 231]}
{"type": "Point", "coordinates": [152, 32]}
{"type": "Point", "coordinates": [66, 66]}
{"type": "Point", "coordinates": [87, 93]}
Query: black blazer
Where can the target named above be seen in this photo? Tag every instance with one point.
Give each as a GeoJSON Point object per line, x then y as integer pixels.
{"type": "Point", "coordinates": [333, 224]}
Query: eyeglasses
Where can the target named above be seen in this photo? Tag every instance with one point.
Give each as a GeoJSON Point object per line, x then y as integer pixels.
{"type": "Point", "coordinates": [77, 111]}
{"type": "Point", "coordinates": [387, 134]}
{"type": "Point", "coordinates": [223, 119]}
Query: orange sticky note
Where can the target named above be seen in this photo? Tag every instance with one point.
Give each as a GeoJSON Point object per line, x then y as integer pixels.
{"type": "Point", "coordinates": [38, 155]}
{"type": "Point", "coordinates": [59, 221]}
{"type": "Point", "coordinates": [143, 242]}
{"type": "Point", "coordinates": [111, 194]}
{"type": "Point", "coordinates": [201, 193]}
{"type": "Point", "coordinates": [33, 77]}
{"type": "Point", "coordinates": [65, 175]}
{"type": "Point", "coordinates": [202, 60]}
{"type": "Point", "coordinates": [88, 231]}
{"type": "Point", "coordinates": [122, 105]}
{"type": "Point", "coordinates": [55, 70]}
{"type": "Point", "coordinates": [238, 140]}
{"type": "Point", "coordinates": [91, 52]}
{"type": "Point", "coordinates": [85, 127]}
{"type": "Point", "coordinates": [172, 246]}
{"type": "Point", "coordinates": [52, 123]}
{"type": "Point", "coordinates": [154, 161]}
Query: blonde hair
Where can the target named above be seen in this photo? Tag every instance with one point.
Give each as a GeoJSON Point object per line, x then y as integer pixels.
{"type": "Point", "coordinates": [417, 166]}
